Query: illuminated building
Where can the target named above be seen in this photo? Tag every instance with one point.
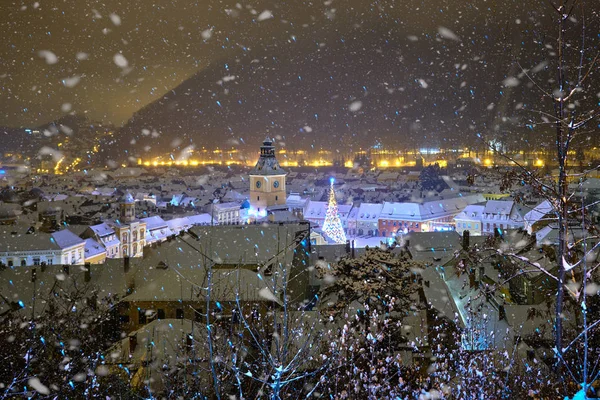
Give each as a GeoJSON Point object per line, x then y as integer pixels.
{"type": "Point", "coordinates": [123, 237]}
{"type": "Point", "coordinates": [267, 180]}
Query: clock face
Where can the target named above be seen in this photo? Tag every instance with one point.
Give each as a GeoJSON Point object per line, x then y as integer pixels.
{"type": "Point", "coordinates": [257, 184]}
{"type": "Point", "coordinates": [276, 184]}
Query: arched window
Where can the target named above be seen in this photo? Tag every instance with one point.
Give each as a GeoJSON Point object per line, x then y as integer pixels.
{"type": "Point", "coordinates": [135, 236]}
{"type": "Point", "coordinates": [134, 249]}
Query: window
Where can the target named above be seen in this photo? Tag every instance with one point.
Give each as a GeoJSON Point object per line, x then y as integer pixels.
{"type": "Point", "coordinates": [160, 314]}
{"type": "Point", "coordinates": [36, 261]}
{"type": "Point", "coordinates": [49, 261]}
{"type": "Point", "coordinates": [141, 316]}
{"type": "Point", "coordinates": [10, 263]}
{"type": "Point", "coordinates": [179, 313]}
{"type": "Point", "coordinates": [23, 262]}
{"type": "Point", "coordinates": [476, 226]}
{"type": "Point", "coordinates": [276, 198]}
{"type": "Point", "coordinates": [135, 236]}
{"type": "Point", "coordinates": [257, 198]}
{"type": "Point", "coordinates": [134, 249]}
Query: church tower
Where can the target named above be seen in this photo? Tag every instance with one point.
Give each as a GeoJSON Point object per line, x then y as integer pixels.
{"type": "Point", "coordinates": [267, 180]}
{"type": "Point", "coordinates": [126, 208]}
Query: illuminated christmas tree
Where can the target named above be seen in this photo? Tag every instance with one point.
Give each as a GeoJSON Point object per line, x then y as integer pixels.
{"type": "Point", "coordinates": [332, 227]}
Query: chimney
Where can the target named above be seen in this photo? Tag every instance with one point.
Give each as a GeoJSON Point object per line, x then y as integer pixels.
{"type": "Point", "coordinates": [347, 247]}
{"type": "Point", "coordinates": [132, 343]}
{"type": "Point", "coordinates": [353, 249]}
{"type": "Point", "coordinates": [66, 269]}
{"type": "Point", "coordinates": [33, 275]}
{"type": "Point", "coordinates": [87, 272]}
{"type": "Point", "coordinates": [465, 241]}
{"type": "Point", "coordinates": [126, 264]}
{"type": "Point", "coordinates": [472, 280]}
{"type": "Point", "coordinates": [501, 312]}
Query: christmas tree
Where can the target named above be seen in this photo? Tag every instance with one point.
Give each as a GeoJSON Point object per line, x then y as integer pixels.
{"type": "Point", "coordinates": [332, 227]}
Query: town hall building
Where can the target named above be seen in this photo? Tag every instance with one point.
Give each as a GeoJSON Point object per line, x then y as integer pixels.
{"type": "Point", "coordinates": [267, 181]}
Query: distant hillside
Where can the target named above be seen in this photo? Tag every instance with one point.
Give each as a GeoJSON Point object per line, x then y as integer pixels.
{"type": "Point", "coordinates": [376, 85]}
{"type": "Point", "coordinates": [78, 128]}
{"type": "Point", "coordinates": [354, 91]}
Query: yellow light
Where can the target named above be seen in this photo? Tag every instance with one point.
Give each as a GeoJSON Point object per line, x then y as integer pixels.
{"type": "Point", "coordinates": [155, 163]}
{"type": "Point", "coordinates": [349, 164]}
{"type": "Point", "coordinates": [487, 162]}
{"type": "Point", "coordinates": [194, 163]}
{"type": "Point", "coordinates": [384, 163]}
{"type": "Point", "coordinates": [147, 163]}
{"type": "Point", "coordinates": [539, 163]}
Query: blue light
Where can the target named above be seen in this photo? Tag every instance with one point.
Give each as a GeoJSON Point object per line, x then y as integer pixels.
{"type": "Point", "coordinates": [331, 180]}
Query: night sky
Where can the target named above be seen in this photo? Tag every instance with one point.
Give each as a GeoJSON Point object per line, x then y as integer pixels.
{"type": "Point", "coordinates": [443, 59]}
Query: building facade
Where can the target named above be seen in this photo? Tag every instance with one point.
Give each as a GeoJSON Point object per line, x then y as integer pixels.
{"type": "Point", "coordinates": [267, 181]}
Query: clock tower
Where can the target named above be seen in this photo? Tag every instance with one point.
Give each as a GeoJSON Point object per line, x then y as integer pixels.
{"type": "Point", "coordinates": [267, 180]}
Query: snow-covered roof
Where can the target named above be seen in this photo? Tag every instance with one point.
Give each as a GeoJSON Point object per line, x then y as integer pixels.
{"type": "Point", "coordinates": [538, 213]}
{"type": "Point", "coordinates": [157, 234]}
{"type": "Point", "coordinates": [200, 219]}
{"type": "Point", "coordinates": [296, 201]}
{"type": "Point", "coordinates": [65, 239]}
{"type": "Point", "coordinates": [267, 163]}
{"type": "Point", "coordinates": [369, 212]}
{"type": "Point", "coordinates": [93, 248]}
{"type": "Point", "coordinates": [154, 222]}
{"type": "Point", "coordinates": [318, 209]}
{"type": "Point", "coordinates": [406, 211]}
{"type": "Point", "coordinates": [13, 241]}
{"type": "Point", "coordinates": [179, 224]}
{"type": "Point", "coordinates": [102, 229]}
{"type": "Point", "coordinates": [127, 198]}
{"type": "Point", "coordinates": [498, 207]}
{"type": "Point", "coordinates": [472, 212]}
{"type": "Point", "coordinates": [226, 206]}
